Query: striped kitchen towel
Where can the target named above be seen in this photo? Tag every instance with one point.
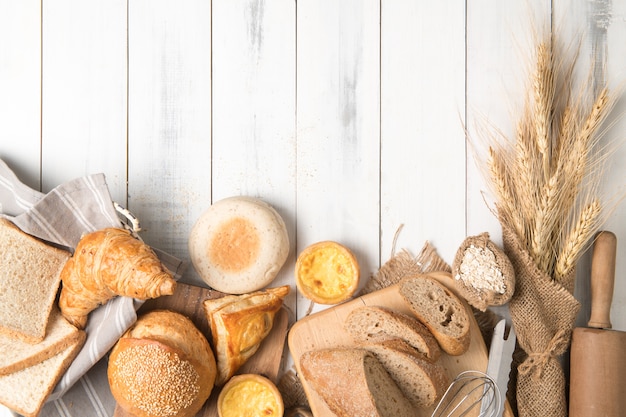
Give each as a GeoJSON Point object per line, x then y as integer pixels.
{"type": "Point", "coordinates": [61, 217]}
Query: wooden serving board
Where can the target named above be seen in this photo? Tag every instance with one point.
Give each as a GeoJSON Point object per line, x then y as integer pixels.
{"type": "Point", "coordinates": [188, 300]}
{"type": "Point", "coordinates": [324, 330]}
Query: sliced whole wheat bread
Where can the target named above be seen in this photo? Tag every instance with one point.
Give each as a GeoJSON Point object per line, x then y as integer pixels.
{"type": "Point", "coordinates": [378, 324]}
{"type": "Point", "coordinates": [29, 281]}
{"type": "Point", "coordinates": [352, 382]}
{"type": "Point", "coordinates": [16, 354]}
{"type": "Point", "coordinates": [26, 391]}
{"type": "Point", "coordinates": [440, 310]}
{"type": "Point", "coordinates": [423, 382]}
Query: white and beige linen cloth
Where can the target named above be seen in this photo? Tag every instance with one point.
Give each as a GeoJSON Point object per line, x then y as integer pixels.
{"type": "Point", "coordinates": [61, 217]}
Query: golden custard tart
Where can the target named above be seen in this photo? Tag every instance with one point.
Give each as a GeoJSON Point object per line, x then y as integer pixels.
{"type": "Point", "coordinates": [327, 273]}
{"type": "Point", "coordinates": [250, 395]}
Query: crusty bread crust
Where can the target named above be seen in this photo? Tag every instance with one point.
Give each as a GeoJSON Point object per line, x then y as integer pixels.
{"type": "Point", "coordinates": [422, 381]}
{"type": "Point", "coordinates": [352, 382]}
{"type": "Point", "coordinates": [377, 324]}
{"type": "Point", "coordinates": [440, 310]}
{"type": "Point", "coordinates": [162, 366]}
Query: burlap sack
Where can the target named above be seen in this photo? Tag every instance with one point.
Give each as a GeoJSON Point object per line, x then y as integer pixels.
{"type": "Point", "coordinates": [543, 314]}
{"type": "Point", "coordinates": [479, 294]}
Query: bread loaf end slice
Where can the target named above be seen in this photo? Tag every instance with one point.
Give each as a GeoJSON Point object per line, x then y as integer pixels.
{"type": "Point", "coordinates": [374, 324]}
{"type": "Point", "coordinates": [352, 382]}
{"type": "Point", "coordinates": [440, 310]}
{"type": "Point", "coordinates": [423, 382]}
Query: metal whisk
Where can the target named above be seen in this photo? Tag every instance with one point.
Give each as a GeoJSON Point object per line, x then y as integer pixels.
{"type": "Point", "coordinates": [471, 392]}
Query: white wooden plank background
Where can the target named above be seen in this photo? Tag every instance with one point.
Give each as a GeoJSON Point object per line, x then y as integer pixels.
{"type": "Point", "coordinates": [347, 116]}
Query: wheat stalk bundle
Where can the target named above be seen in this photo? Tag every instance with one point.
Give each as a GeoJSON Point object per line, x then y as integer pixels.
{"type": "Point", "coordinates": [546, 179]}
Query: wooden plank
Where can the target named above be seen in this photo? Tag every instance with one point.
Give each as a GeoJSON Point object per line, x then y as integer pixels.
{"type": "Point", "coordinates": [254, 141]}
{"type": "Point", "coordinates": [499, 35]}
{"type": "Point", "coordinates": [169, 131]}
{"type": "Point", "coordinates": [20, 88]}
{"type": "Point", "coordinates": [84, 92]}
{"type": "Point", "coordinates": [616, 172]}
{"type": "Point", "coordinates": [422, 116]}
{"type": "Point", "coordinates": [603, 37]}
{"type": "Point", "coordinates": [338, 110]}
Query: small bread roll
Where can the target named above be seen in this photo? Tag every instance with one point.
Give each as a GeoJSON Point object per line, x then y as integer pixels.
{"type": "Point", "coordinates": [162, 366]}
{"type": "Point", "coordinates": [238, 245]}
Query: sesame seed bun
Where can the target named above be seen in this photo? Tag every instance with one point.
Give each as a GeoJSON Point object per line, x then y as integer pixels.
{"type": "Point", "coordinates": [162, 366]}
{"type": "Point", "coordinates": [238, 245]}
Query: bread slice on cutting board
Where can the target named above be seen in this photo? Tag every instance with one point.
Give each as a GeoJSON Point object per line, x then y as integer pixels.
{"type": "Point", "coordinates": [16, 354]}
{"type": "Point", "coordinates": [440, 310]}
{"type": "Point", "coordinates": [29, 281]}
{"type": "Point", "coordinates": [378, 324]}
{"type": "Point", "coordinates": [423, 382]}
{"type": "Point", "coordinates": [353, 382]}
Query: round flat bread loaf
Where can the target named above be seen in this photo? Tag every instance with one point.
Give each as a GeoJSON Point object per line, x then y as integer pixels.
{"type": "Point", "coordinates": [238, 245]}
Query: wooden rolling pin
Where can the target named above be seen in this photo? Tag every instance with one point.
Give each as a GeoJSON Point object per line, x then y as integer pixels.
{"type": "Point", "coordinates": [597, 361]}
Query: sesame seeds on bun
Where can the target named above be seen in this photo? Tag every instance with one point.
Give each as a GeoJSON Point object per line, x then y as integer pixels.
{"type": "Point", "coordinates": [168, 371]}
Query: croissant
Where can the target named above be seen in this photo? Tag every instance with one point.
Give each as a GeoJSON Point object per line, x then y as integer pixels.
{"type": "Point", "coordinates": [107, 263]}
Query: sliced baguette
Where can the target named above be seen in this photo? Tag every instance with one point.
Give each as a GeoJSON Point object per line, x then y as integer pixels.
{"type": "Point", "coordinates": [26, 391]}
{"type": "Point", "coordinates": [423, 382]}
{"type": "Point", "coordinates": [352, 382]}
{"type": "Point", "coordinates": [377, 324]}
{"type": "Point", "coordinates": [16, 354]}
{"type": "Point", "coordinates": [440, 310]}
{"type": "Point", "coordinates": [29, 281]}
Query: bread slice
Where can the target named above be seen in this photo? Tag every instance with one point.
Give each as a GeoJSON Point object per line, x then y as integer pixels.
{"type": "Point", "coordinates": [16, 354]}
{"type": "Point", "coordinates": [26, 391]}
{"type": "Point", "coordinates": [29, 280]}
{"type": "Point", "coordinates": [423, 382]}
{"type": "Point", "coordinates": [352, 382]}
{"type": "Point", "coordinates": [440, 310]}
{"type": "Point", "coordinates": [378, 324]}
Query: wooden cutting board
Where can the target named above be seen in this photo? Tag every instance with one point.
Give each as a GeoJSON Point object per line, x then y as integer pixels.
{"type": "Point", "coordinates": [324, 329]}
{"type": "Point", "coordinates": [188, 300]}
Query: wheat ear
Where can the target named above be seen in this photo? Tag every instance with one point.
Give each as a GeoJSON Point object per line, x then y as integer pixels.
{"type": "Point", "coordinates": [576, 240]}
{"type": "Point", "coordinates": [543, 88]}
{"type": "Point", "coordinates": [501, 180]}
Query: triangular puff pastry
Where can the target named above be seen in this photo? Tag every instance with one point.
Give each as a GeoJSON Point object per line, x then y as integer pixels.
{"type": "Point", "coordinates": [239, 323]}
